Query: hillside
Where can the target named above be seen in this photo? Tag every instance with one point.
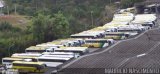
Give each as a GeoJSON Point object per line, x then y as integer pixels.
{"type": "Point", "coordinates": [16, 20]}
{"type": "Point", "coordinates": [78, 12]}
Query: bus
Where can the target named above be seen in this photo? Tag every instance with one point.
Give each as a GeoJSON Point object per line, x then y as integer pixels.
{"type": "Point", "coordinates": [7, 61]}
{"type": "Point", "coordinates": [116, 35]}
{"type": "Point", "coordinates": [51, 61]}
{"type": "Point", "coordinates": [34, 59]}
{"type": "Point", "coordinates": [26, 54]}
{"type": "Point", "coordinates": [98, 43]}
{"type": "Point", "coordinates": [76, 50]}
{"type": "Point", "coordinates": [49, 44]}
{"type": "Point", "coordinates": [84, 36]}
{"type": "Point", "coordinates": [89, 34]}
{"type": "Point", "coordinates": [132, 29]}
{"type": "Point", "coordinates": [70, 42]}
{"type": "Point", "coordinates": [149, 20]}
{"type": "Point", "coordinates": [37, 49]}
{"type": "Point", "coordinates": [76, 42]}
{"type": "Point", "coordinates": [29, 67]}
{"type": "Point", "coordinates": [59, 56]}
{"type": "Point", "coordinates": [61, 53]}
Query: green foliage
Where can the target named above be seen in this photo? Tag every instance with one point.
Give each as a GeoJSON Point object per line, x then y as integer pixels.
{"type": "Point", "coordinates": [47, 28]}
{"type": "Point", "coordinates": [79, 10]}
{"type": "Point", "coordinates": [60, 26]}
{"type": "Point", "coordinates": [129, 3]}
{"type": "Point", "coordinates": [39, 27]}
{"type": "Point", "coordinates": [5, 26]}
{"type": "Point", "coordinates": [13, 39]}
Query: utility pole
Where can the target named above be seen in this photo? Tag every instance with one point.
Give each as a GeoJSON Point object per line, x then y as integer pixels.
{"type": "Point", "coordinates": [92, 18]}
{"type": "Point", "coordinates": [9, 50]}
{"type": "Point", "coordinates": [156, 7]}
{"type": "Point", "coordinates": [1, 10]}
{"type": "Point", "coordinates": [109, 1]}
{"type": "Point", "coordinates": [15, 9]}
{"type": "Point", "coordinates": [8, 10]}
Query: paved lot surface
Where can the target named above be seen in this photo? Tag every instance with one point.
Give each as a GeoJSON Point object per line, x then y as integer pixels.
{"type": "Point", "coordinates": [140, 52]}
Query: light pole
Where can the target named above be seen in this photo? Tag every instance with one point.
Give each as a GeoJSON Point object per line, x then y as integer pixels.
{"type": "Point", "coordinates": [92, 18]}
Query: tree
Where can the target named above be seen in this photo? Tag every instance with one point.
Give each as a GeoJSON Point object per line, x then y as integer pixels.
{"type": "Point", "coordinates": [129, 3]}
{"type": "Point", "coordinates": [45, 28]}
{"type": "Point", "coordinates": [38, 28]}
{"type": "Point", "coordinates": [61, 25]}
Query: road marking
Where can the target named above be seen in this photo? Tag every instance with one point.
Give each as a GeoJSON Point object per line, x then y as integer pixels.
{"type": "Point", "coordinates": [124, 61]}
{"type": "Point", "coordinates": [140, 55]}
{"type": "Point", "coordinates": [151, 49]}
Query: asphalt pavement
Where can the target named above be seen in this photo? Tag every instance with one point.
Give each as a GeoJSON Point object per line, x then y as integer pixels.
{"type": "Point", "coordinates": [140, 52]}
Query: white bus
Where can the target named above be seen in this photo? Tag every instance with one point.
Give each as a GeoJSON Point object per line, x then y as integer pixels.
{"type": "Point", "coordinates": [70, 42]}
{"type": "Point", "coordinates": [52, 61]}
{"type": "Point", "coordinates": [98, 43]}
{"type": "Point", "coordinates": [149, 20]}
{"type": "Point", "coordinates": [132, 29]}
{"type": "Point", "coordinates": [84, 36]}
{"type": "Point", "coordinates": [7, 61]}
{"type": "Point", "coordinates": [37, 49]}
{"type": "Point", "coordinates": [76, 50]}
{"type": "Point", "coordinates": [59, 56]}
{"type": "Point", "coordinates": [26, 54]}
{"type": "Point", "coordinates": [61, 53]}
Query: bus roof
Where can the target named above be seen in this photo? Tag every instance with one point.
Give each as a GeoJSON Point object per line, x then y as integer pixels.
{"type": "Point", "coordinates": [11, 58]}
{"type": "Point", "coordinates": [59, 56]}
{"type": "Point", "coordinates": [83, 35]}
{"type": "Point", "coordinates": [56, 58]}
{"type": "Point", "coordinates": [140, 18]}
{"type": "Point", "coordinates": [36, 48]}
{"type": "Point", "coordinates": [89, 33]}
{"type": "Point", "coordinates": [25, 57]}
{"type": "Point", "coordinates": [26, 62]}
{"type": "Point", "coordinates": [59, 53]}
{"type": "Point", "coordinates": [59, 42]}
{"type": "Point", "coordinates": [97, 39]}
{"type": "Point", "coordinates": [100, 28]}
{"type": "Point", "coordinates": [73, 48]}
{"type": "Point", "coordinates": [115, 24]}
{"type": "Point", "coordinates": [26, 54]}
{"type": "Point", "coordinates": [115, 33]}
{"type": "Point", "coordinates": [48, 44]}
{"type": "Point", "coordinates": [63, 41]}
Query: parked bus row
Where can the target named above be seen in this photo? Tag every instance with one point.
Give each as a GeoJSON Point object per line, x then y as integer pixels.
{"type": "Point", "coordinates": [57, 52]}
